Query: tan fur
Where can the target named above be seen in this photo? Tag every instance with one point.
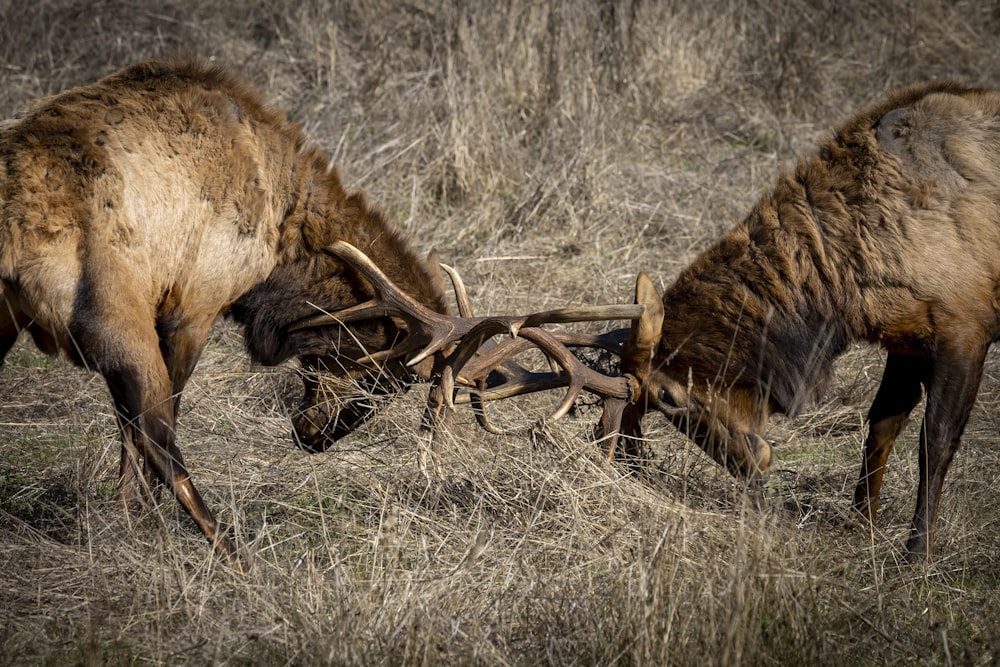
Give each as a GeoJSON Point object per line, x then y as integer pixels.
{"type": "Point", "coordinates": [889, 233]}
{"type": "Point", "coordinates": [137, 210]}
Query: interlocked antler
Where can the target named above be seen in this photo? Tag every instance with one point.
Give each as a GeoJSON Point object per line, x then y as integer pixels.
{"type": "Point", "coordinates": [496, 376]}
{"type": "Point", "coordinates": [462, 351]}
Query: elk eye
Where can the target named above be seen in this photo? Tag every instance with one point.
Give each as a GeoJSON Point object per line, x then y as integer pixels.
{"type": "Point", "coordinates": [666, 398]}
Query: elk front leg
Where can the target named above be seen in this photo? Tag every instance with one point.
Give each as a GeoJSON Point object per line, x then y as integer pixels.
{"type": "Point", "coordinates": [181, 343]}
{"type": "Point", "coordinates": [621, 423]}
{"type": "Point", "coordinates": [11, 323]}
{"type": "Point", "coordinates": [147, 412]}
{"type": "Point", "coordinates": [951, 393]}
{"type": "Point", "coordinates": [180, 346]}
{"type": "Point", "coordinates": [897, 395]}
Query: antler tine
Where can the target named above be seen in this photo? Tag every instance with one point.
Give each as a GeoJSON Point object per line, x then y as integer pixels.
{"type": "Point", "coordinates": [581, 376]}
{"type": "Point", "coordinates": [630, 311]}
{"type": "Point", "coordinates": [362, 311]}
{"type": "Point", "coordinates": [433, 331]}
{"type": "Point", "coordinates": [461, 294]}
{"type": "Point", "coordinates": [479, 409]}
{"type": "Point", "coordinates": [366, 310]}
{"type": "Point", "coordinates": [517, 384]}
{"type": "Point", "coordinates": [500, 358]}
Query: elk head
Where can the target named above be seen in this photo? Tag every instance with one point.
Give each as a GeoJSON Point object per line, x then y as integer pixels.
{"type": "Point", "coordinates": [340, 394]}
{"type": "Point", "coordinates": [724, 419]}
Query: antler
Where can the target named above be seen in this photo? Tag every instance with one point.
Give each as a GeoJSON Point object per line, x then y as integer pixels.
{"type": "Point", "coordinates": [496, 376]}
{"type": "Point", "coordinates": [432, 331]}
{"type": "Point", "coordinates": [466, 354]}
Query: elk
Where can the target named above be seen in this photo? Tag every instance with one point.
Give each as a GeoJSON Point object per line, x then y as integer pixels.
{"type": "Point", "coordinates": [888, 233]}
{"type": "Point", "coordinates": [137, 210]}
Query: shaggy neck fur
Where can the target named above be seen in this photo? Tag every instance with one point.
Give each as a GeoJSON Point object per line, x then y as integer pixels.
{"type": "Point", "coordinates": [306, 278]}
{"type": "Point", "coordinates": [753, 313]}
{"type": "Point", "coordinates": [770, 306]}
{"type": "Point", "coordinates": [318, 211]}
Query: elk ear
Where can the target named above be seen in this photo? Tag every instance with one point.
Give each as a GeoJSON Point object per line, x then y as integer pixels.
{"type": "Point", "coordinates": [433, 264]}
{"type": "Point", "coordinates": [647, 329]}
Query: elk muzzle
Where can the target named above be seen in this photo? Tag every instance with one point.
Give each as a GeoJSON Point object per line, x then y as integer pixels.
{"type": "Point", "coordinates": [337, 402]}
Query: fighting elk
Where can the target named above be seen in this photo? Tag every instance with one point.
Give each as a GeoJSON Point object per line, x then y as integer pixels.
{"type": "Point", "coordinates": [137, 210]}
{"type": "Point", "coordinates": [889, 233]}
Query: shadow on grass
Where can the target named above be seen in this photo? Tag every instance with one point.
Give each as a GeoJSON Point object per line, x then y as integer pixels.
{"type": "Point", "coordinates": [47, 505]}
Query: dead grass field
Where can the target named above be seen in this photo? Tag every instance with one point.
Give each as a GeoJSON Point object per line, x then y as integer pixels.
{"type": "Point", "coordinates": [549, 151]}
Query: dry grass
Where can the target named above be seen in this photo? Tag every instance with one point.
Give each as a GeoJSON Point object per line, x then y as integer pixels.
{"type": "Point", "coordinates": [549, 151]}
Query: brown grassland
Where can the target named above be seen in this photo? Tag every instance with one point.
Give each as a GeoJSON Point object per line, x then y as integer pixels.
{"type": "Point", "coordinates": [549, 151]}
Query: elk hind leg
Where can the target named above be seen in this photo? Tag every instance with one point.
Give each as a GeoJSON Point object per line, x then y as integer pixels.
{"type": "Point", "coordinates": [897, 395]}
{"type": "Point", "coordinates": [11, 323]}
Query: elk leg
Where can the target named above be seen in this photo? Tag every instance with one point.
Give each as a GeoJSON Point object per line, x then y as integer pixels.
{"type": "Point", "coordinates": [124, 346]}
{"type": "Point", "coordinates": [621, 423]}
{"type": "Point", "coordinates": [130, 494]}
{"type": "Point", "coordinates": [898, 394]}
{"type": "Point", "coordinates": [950, 396]}
{"type": "Point", "coordinates": [148, 416]}
{"type": "Point", "coordinates": [181, 345]}
{"type": "Point", "coordinates": [180, 348]}
{"type": "Point", "coordinates": [167, 463]}
{"type": "Point", "coordinates": [6, 342]}
{"type": "Point", "coordinates": [11, 323]}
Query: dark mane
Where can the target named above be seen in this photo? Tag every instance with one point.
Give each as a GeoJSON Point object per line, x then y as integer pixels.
{"type": "Point", "coordinates": [772, 303]}
{"type": "Point", "coordinates": [738, 324]}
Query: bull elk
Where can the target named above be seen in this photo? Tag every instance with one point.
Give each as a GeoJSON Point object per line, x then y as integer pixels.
{"type": "Point", "coordinates": [889, 233]}
{"type": "Point", "coordinates": [137, 210]}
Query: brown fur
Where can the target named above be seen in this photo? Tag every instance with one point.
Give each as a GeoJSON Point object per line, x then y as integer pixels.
{"type": "Point", "coordinates": [137, 210]}
{"type": "Point", "coordinates": [889, 233]}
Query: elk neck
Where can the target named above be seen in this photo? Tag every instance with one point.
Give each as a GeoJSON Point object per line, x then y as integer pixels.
{"type": "Point", "coordinates": [772, 303]}
{"type": "Point", "coordinates": [318, 212]}
{"type": "Point", "coordinates": [321, 211]}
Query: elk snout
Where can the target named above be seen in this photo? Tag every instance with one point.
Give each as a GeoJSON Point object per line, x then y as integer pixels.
{"type": "Point", "coordinates": [319, 425]}
{"type": "Point", "coordinates": [759, 459]}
